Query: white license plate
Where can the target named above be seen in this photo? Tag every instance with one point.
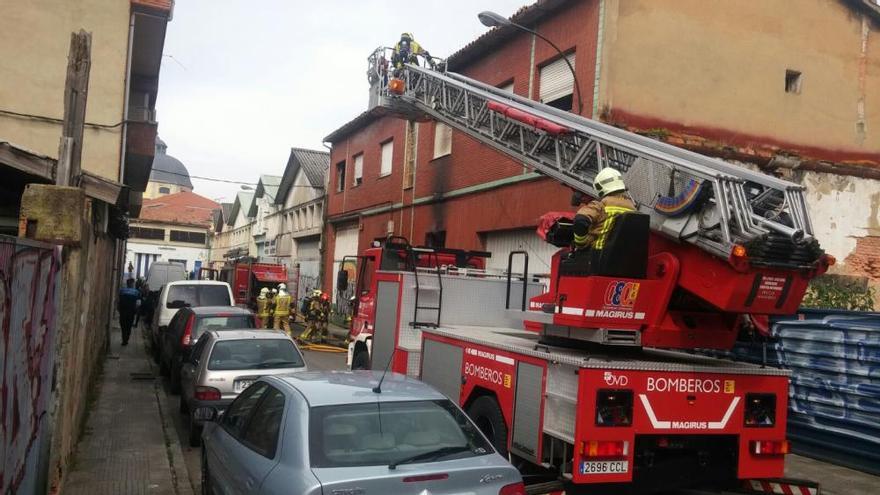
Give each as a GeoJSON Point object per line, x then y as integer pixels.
{"type": "Point", "coordinates": [604, 467]}
{"type": "Point", "coordinates": [240, 385]}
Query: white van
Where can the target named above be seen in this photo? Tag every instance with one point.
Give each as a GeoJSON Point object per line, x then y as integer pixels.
{"type": "Point", "coordinates": [186, 293]}
{"type": "Point", "coordinates": [162, 272]}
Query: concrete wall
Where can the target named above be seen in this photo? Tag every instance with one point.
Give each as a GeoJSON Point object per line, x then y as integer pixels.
{"type": "Point", "coordinates": [34, 45]}
{"type": "Point", "coordinates": [29, 296]}
{"type": "Point", "coordinates": [718, 68]}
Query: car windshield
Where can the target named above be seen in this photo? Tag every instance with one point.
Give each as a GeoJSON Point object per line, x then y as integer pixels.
{"type": "Point", "coordinates": [208, 323]}
{"type": "Point", "coordinates": [375, 433]}
{"type": "Point", "coordinates": [195, 295]}
{"type": "Point", "coordinates": [254, 354]}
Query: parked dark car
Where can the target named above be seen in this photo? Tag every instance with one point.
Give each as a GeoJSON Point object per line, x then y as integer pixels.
{"type": "Point", "coordinates": [185, 328]}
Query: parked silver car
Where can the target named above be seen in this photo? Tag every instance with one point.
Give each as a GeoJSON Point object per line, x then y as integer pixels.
{"type": "Point", "coordinates": [225, 362]}
{"type": "Point", "coordinates": [336, 432]}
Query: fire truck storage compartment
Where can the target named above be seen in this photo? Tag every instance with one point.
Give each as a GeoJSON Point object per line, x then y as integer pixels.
{"type": "Point", "coordinates": [386, 324]}
{"type": "Point", "coordinates": [446, 377]}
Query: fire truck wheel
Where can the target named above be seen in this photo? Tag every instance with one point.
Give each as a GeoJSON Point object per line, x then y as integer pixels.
{"type": "Point", "coordinates": [486, 413]}
{"type": "Point", "coordinates": [361, 359]}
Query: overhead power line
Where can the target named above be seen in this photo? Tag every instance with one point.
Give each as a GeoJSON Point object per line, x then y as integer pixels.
{"type": "Point", "coordinates": [227, 181]}
{"type": "Point", "coordinates": [53, 120]}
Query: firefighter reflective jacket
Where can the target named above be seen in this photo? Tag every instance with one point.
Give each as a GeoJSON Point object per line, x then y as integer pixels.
{"type": "Point", "coordinates": [593, 220]}
{"type": "Point", "coordinates": [282, 305]}
{"type": "Point", "coordinates": [262, 306]}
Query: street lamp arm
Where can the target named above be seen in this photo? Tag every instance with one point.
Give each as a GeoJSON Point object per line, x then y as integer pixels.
{"type": "Point", "coordinates": [577, 85]}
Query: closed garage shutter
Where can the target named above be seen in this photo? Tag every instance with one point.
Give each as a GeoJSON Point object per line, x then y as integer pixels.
{"type": "Point", "coordinates": [500, 244]}
{"type": "Point", "coordinates": [346, 245]}
{"type": "Point", "coordinates": [556, 80]}
{"type": "Point", "coordinates": [308, 250]}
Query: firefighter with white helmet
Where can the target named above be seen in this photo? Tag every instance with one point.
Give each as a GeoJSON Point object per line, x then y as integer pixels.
{"type": "Point", "coordinates": [282, 309]}
{"type": "Point", "coordinates": [263, 308]}
{"type": "Point", "coordinates": [594, 219]}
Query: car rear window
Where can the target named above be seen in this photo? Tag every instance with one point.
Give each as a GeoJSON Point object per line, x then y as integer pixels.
{"type": "Point", "coordinates": [253, 354]}
{"type": "Point", "coordinates": [371, 434]}
{"type": "Point", "coordinates": [208, 323]}
{"type": "Point", "coordinates": [198, 295]}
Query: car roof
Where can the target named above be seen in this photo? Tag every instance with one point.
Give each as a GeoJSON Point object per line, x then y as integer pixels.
{"type": "Point", "coordinates": [249, 334]}
{"type": "Point", "coordinates": [324, 388]}
{"type": "Point", "coordinates": [197, 282]}
{"type": "Point", "coordinates": [209, 310]}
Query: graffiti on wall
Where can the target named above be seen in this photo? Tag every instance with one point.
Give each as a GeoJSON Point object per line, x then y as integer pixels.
{"type": "Point", "coordinates": [29, 280]}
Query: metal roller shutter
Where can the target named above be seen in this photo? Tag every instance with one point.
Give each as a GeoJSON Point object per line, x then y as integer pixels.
{"type": "Point", "coordinates": [500, 244]}
{"type": "Point", "coordinates": [556, 80]}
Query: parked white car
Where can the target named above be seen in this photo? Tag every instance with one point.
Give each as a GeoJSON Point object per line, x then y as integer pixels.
{"type": "Point", "coordinates": [181, 294]}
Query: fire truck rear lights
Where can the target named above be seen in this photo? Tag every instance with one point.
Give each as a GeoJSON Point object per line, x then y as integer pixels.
{"type": "Point", "coordinates": [760, 410]}
{"type": "Point", "coordinates": [396, 86]}
{"type": "Point", "coordinates": [770, 447]}
{"type": "Point", "coordinates": [513, 489]}
{"type": "Point", "coordinates": [614, 407]}
{"type": "Point", "coordinates": [606, 448]}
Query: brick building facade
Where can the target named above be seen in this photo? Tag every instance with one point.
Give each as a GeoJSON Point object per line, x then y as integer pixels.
{"type": "Point", "coordinates": [467, 195]}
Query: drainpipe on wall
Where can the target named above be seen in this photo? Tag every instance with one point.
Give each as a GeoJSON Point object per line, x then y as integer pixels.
{"type": "Point", "coordinates": [600, 40]}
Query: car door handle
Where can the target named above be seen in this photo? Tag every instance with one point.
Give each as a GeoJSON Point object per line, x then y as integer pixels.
{"type": "Point", "coordinates": [249, 483]}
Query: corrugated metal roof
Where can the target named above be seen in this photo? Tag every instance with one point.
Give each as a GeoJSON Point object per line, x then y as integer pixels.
{"type": "Point", "coordinates": [314, 165]}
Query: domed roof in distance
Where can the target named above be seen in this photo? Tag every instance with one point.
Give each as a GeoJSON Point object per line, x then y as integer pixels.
{"type": "Point", "coordinates": [168, 169]}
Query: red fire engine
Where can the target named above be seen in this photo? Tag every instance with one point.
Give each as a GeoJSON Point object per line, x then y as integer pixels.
{"type": "Point", "coordinates": [247, 278]}
{"type": "Point", "coordinates": [564, 378]}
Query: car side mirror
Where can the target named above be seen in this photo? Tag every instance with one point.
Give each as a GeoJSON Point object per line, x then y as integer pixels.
{"type": "Point", "coordinates": [342, 281]}
{"type": "Point", "coordinates": [206, 414]}
{"type": "Point", "coordinates": [177, 304]}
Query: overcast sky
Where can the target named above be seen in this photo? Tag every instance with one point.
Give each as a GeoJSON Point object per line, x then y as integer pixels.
{"type": "Point", "coordinates": [243, 81]}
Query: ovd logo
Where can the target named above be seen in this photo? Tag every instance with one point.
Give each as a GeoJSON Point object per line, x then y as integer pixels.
{"type": "Point", "coordinates": [622, 294]}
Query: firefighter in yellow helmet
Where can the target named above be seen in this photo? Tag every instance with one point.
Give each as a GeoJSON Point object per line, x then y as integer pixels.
{"type": "Point", "coordinates": [407, 50]}
{"type": "Point", "coordinates": [282, 309]}
{"type": "Point", "coordinates": [263, 308]}
{"type": "Point", "coordinates": [594, 218]}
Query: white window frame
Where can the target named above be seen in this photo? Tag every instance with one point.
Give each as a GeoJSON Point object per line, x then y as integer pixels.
{"type": "Point", "coordinates": [442, 140]}
{"type": "Point", "coordinates": [386, 163]}
{"type": "Point", "coordinates": [358, 178]}
{"type": "Point", "coordinates": [507, 87]}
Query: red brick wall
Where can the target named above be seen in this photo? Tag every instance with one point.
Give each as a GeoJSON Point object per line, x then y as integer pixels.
{"type": "Point", "coordinates": [865, 258]}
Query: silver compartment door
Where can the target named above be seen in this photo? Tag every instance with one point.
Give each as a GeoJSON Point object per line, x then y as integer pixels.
{"type": "Point", "coordinates": [386, 324]}
{"type": "Point", "coordinates": [441, 368]}
{"type": "Point", "coordinates": [527, 411]}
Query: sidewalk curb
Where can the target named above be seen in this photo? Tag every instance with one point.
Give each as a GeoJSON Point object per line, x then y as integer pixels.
{"type": "Point", "coordinates": [179, 471]}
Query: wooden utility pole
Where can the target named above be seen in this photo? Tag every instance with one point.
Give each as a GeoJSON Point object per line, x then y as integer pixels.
{"type": "Point", "coordinates": [76, 89]}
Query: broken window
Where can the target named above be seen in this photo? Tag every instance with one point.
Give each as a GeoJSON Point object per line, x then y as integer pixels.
{"type": "Point", "coordinates": [359, 169]}
{"type": "Point", "coordinates": [557, 83]}
{"type": "Point", "coordinates": [340, 176]}
{"type": "Point", "coordinates": [793, 81]}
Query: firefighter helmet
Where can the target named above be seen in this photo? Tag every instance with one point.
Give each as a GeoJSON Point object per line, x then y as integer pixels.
{"type": "Point", "coordinates": [282, 286]}
{"type": "Point", "coordinates": [406, 36]}
{"type": "Point", "coordinates": [608, 181]}
{"type": "Point", "coordinates": [316, 293]}
{"type": "Point", "coordinates": [263, 291]}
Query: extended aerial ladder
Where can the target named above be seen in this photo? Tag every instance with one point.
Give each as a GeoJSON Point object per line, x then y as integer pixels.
{"type": "Point", "coordinates": [755, 225]}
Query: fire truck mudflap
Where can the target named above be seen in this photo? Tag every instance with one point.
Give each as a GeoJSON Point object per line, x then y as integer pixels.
{"type": "Point", "coordinates": [619, 416]}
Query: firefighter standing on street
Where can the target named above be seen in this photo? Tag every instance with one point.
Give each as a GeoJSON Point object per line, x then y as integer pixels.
{"type": "Point", "coordinates": [263, 308]}
{"type": "Point", "coordinates": [594, 218]}
{"type": "Point", "coordinates": [407, 50]}
{"type": "Point", "coordinates": [317, 316]}
{"type": "Point", "coordinates": [270, 318]}
{"type": "Point", "coordinates": [282, 309]}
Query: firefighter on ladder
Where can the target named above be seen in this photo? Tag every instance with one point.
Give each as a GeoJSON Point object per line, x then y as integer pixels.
{"type": "Point", "coordinates": [263, 308]}
{"type": "Point", "coordinates": [407, 50]}
{"type": "Point", "coordinates": [282, 309]}
{"type": "Point", "coordinates": [594, 218]}
{"type": "Point", "coordinates": [317, 317]}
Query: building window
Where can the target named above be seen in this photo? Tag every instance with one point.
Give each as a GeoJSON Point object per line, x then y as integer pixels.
{"type": "Point", "coordinates": [793, 81]}
{"type": "Point", "coordinates": [188, 237]}
{"type": "Point", "coordinates": [146, 233]}
{"type": "Point", "coordinates": [387, 156]}
{"type": "Point", "coordinates": [164, 190]}
{"type": "Point", "coordinates": [435, 239]}
{"type": "Point", "coordinates": [359, 169]}
{"type": "Point", "coordinates": [340, 177]}
{"type": "Point", "coordinates": [557, 83]}
{"type": "Point", "coordinates": [442, 140]}
{"type": "Point", "coordinates": [507, 87]}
